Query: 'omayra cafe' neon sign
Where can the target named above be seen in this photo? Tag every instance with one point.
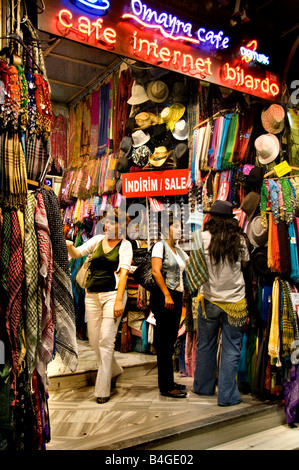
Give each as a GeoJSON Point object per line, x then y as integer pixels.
{"type": "Point", "coordinates": [167, 54]}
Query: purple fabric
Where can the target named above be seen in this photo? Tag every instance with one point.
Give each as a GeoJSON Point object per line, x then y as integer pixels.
{"type": "Point", "coordinates": [291, 394]}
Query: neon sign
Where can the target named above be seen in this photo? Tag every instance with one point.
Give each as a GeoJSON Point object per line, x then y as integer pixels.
{"type": "Point", "coordinates": [93, 5]}
{"type": "Point", "coordinates": [87, 27]}
{"type": "Point", "coordinates": [238, 78]}
{"type": "Point", "coordinates": [172, 27]}
{"type": "Point", "coordinates": [250, 53]}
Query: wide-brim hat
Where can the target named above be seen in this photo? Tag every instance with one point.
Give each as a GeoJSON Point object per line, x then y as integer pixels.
{"type": "Point", "coordinates": [140, 138]}
{"type": "Point", "coordinates": [140, 155]}
{"type": "Point", "coordinates": [157, 91]}
{"type": "Point", "coordinates": [170, 115]}
{"type": "Point", "coordinates": [146, 120]}
{"type": "Point", "coordinates": [159, 157]}
{"type": "Point", "coordinates": [257, 234]}
{"type": "Point", "coordinates": [180, 156]}
{"type": "Point", "coordinates": [179, 92]}
{"type": "Point", "coordinates": [139, 72]}
{"type": "Point", "coordinates": [221, 209]}
{"type": "Point", "coordinates": [273, 118]}
{"type": "Point", "coordinates": [259, 259]}
{"type": "Point", "coordinates": [161, 136]}
{"type": "Point", "coordinates": [255, 177]}
{"type": "Point", "coordinates": [126, 145]}
{"type": "Point", "coordinates": [267, 148]}
{"type": "Point", "coordinates": [138, 94]}
{"type": "Point", "coordinates": [250, 204]}
{"type": "Point", "coordinates": [181, 131]}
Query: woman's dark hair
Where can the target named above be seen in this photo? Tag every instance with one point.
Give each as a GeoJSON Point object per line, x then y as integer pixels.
{"type": "Point", "coordinates": [225, 239]}
{"type": "Point", "coordinates": [168, 219]}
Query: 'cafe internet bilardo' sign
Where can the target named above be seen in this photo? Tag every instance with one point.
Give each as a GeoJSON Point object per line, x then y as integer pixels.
{"type": "Point", "coordinates": [139, 30]}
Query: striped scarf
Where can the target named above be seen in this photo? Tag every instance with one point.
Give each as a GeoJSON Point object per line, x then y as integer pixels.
{"type": "Point", "coordinates": [197, 270]}
{"type": "Point", "coordinates": [14, 175]}
{"type": "Point", "coordinates": [62, 295]}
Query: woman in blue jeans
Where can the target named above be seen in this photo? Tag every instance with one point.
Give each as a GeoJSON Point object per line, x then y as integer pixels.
{"type": "Point", "coordinates": [222, 304]}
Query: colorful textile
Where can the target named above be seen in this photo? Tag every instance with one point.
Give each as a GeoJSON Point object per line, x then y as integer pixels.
{"type": "Point", "coordinates": [37, 156]}
{"type": "Point", "coordinates": [122, 107]}
{"type": "Point", "coordinates": [274, 337]}
{"type": "Point", "coordinates": [14, 176]}
{"type": "Point", "coordinates": [104, 119]}
{"type": "Point", "coordinates": [196, 271]}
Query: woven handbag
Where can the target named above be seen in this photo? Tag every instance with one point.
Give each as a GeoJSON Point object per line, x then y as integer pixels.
{"type": "Point", "coordinates": [84, 272]}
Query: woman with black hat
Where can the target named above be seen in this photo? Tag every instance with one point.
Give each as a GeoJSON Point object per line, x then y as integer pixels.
{"type": "Point", "coordinates": [222, 303]}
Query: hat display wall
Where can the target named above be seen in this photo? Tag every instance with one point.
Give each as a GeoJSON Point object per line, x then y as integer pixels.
{"type": "Point", "coordinates": [157, 91]}
{"type": "Point", "coordinates": [180, 131]}
{"type": "Point", "coordinates": [267, 148]}
{"type": "Point", "coordinates": [138, 94]}
{"type": "Point", "coordinates": [140, 155]}
{"type": "Point", "coordinates": [146, 120]}
{"type": "Point", "coordinates": [159, 156]}
{"type": "Point", "coordinates": [160, 136]}
{"type": "Point", "coordinates": [250, 204]}
{"type": "Point", "coordinates": [257, 234]}
{"type": "Point", "coordinates": [170, 115]}
{"type": "Point", "coordinates": [221, 209]}
{"type": "Point", "coordinates": [140, 138]}
{"type": "Point", "coordinates": [180, 156]}
{"type": "Point", "coordinates": [273, 119]}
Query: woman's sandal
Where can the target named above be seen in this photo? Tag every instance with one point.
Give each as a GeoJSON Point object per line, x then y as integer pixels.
{"type": "Point", "coordinates": [101, 400]}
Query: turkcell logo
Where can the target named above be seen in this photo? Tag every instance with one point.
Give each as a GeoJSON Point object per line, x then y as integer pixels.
{"type": "Point", "coordinates": [93, 6]}
{"type": "Point", "coordinates": [2, 353]}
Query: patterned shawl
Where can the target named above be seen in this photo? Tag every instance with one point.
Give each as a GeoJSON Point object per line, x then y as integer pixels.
{"type": "Point", "coordinates": [33, 305]}
{"type": "Point", "coordinates": [45, 347]}
{"type": "Point", "coordinates": [15, 291]}
{"type": "Point", "coordinates": [62, 295]}
{"type": "Point", "coordinates": [196, 271]}
{"type": "Point", "coordinates": [14, 175]}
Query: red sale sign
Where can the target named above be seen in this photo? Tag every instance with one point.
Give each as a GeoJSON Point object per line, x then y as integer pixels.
{"type": "Point", "coordinates": [155, 183]}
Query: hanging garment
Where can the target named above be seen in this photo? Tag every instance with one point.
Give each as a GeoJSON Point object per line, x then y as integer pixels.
{"type": "Point", "coordinates": [274, 335]}
{"type": "Point", "coordinates": [94, 123]}
{"type": "Point", "coordinates": [196, 271]}
{"type": "Point", "coordinates": [62, 296]}
{"type": "Point", "coordinates": [46, 346]}
{"type": "Point", "coordinates": [122, 107]}
{"type": "Point", "coordinates": [104, 119]}
{"type": "Point", "coordinates": [37, 155]}
{"type": "Point", "coordinates": [293, 253]}
{"type": "Point", "coordinates": [32, 306]}
{"type": "Point", "coordinates": [14, 189]}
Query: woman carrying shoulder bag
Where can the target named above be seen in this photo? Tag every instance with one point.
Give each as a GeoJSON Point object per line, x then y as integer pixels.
{"type": "Point", "coordinates": [106, 295]}
{"type": "Point", "coordinates": [168, 266]}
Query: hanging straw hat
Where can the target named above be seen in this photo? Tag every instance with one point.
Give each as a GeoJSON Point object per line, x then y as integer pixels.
{"type": "Point", "coordinates": [146, 120]}
{"type": "Point", "coordinates": [138, 94]}
{"type": "Point", "coordinates": [273, 119]}
{"type": "Point", "coordinates": [267, 148]}
{"type": "Point", "coordinates": [170, 115]}
{"type": "Point", "coordinates": [157, 91]}
{"type": "Point", "coordinates": [159, 156]}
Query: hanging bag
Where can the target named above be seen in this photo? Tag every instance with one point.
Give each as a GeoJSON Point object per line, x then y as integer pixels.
{"type": "Point", "coordinates": [143, 275]}
{"type": "Point", "coordinates": [84, 272]}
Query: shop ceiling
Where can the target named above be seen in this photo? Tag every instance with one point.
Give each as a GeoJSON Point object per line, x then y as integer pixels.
{"type": "Point", "coordinates": [73, 68]}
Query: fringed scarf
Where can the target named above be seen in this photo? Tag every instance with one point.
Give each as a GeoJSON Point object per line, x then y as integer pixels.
{"type": "Point", "coordinates": [62, 295]}
{"type": "Point", "coordinates": [197, 270]}
{"type": "Point", "coordinates": [274, 337]}
{"type": "Point", "coordinates": [94, 123]}
{"type": "Point", "coordinates": [14, 174]}
{"type": "Point", "coordinates": [15, 293]}
{"type": "Point", "coordinates": [37, 155]}
{"type": "Point", "coordinates": [237, 312]}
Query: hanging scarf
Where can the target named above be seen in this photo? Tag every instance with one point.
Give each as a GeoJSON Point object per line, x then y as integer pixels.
{"type": "Point", "coordinates": [46, 346]}
{"type": "Point", "coordinates": [288, 331]}
{"type": "Point", "coordinates": [263, 205]}
{"type": "Point", "coordinates": [196, 270]}
{"type": "Point", "coordinates": [94, 122]}
{"type": "Point", "coordinates": [32, 307]}
{"type": "Point", "coordinates": [37, 156]}
{"type": "Point", "coordinates": [15, 279]}
{"type": "Point", "coordinates": [104, 114]}
{"type": "Point", "coordinates": [61, 295]}
{"type": "Point", "coordinates": [293, 253]}
{"type": "Point", "coordinates": [15, 174]}
{"type": "Point", "coordinates": [273, 251]}
{"type": "Point", "coordinates": [274, 339]}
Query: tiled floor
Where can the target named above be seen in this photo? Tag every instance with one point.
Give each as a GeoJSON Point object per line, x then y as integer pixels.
{"type": "Point", "coordinates": [136, 413]}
